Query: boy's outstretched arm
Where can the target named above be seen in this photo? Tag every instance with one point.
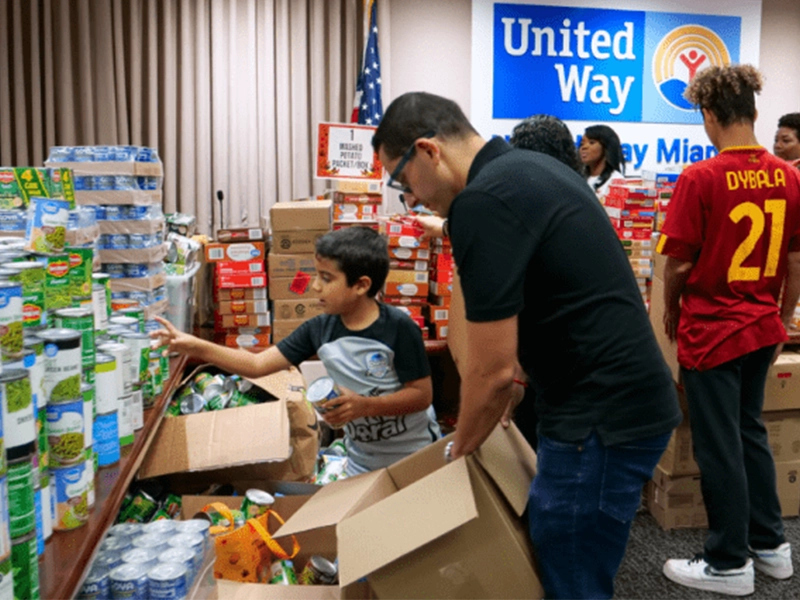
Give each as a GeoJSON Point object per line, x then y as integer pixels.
{"type": "Point", "coordinates": [233, 360]}
{"type": "Point", "coordinates": [413, 397]}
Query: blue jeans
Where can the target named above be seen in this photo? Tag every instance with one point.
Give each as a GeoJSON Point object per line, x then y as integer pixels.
{"type": "Point", "coordinates": [582, 503]}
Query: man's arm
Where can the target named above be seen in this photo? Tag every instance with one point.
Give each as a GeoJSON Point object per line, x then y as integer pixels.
{"type": "Point", "coordinates": [791, 290]}
{"type": "Point", "coordinates": [241, 362]}
{"type": "Point", "coordinates": [413, 397]}
{"type": "Point", "coordinates": [676, 273]}
{"type": "Point", "coordinates": [487, 382]}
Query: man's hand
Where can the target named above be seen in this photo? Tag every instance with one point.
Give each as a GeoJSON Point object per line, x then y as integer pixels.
{"type": "Point", "coordinates": [171, 336]}
{"type": "Point", "coordinates": [671, 319]}
{"type": "Point", "coordinates": [347, 407]}
{"type": "Point", "coordinates": [431, 226]}
{"type": "Point", "coordinates": [517, 394]}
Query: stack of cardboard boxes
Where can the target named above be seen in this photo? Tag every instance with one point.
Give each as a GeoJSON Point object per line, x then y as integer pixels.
{"type": "Point", "coordinates": [241, 314]}
{"type": "Point", "coordinates": [674, 496]}
{"type": "Point", "coordinates": [296, 227]}
{"type": "Point", "coordinates": [407, 284]}
{"type": "Point", "coordinates": [359, 206]}
{"type": "Point", "coordinates": [441, 288]}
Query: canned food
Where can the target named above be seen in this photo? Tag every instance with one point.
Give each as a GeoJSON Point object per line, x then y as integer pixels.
{"type": "Point", "coordinates": [72, 503]}
{"type": "Point", "coordinates": [7, 579]}
{"type": "Point", "coordinates": [89, 410]}
{"type": "Point", "coordinates": [129, 580]}
{"type": "Point", "coordinates": [108, 559]}
{"type": "Point", "coordinates": [25, 561]}
{"type": "Point", "coordinates": [319, 571]}
{"type": "Point", "coordinates": [46, 229]}
{"type": "Point", "coordinates": [115, 212]}
{"type": "Point", "coordinates": [62, 364]}
{"type": "Point", "coordinates": [140, 509]}
{"type": "Point", "coordinates": [321, 390]}
{"type": "Point", "coordinates": [114, 270]}
{"type": "Point", "coordinates": [220, 517]}
{"type": "Point", "coordinates": [21, 500]}
{"type": "Point", "coordinates": [96, 586]}
{"type": "Point", "coordinates": [5, 531]}
{"type": "Point", "coordinates": [10, 318]}
{"type": "Point", "coordinates": [106, 391]}
{"type": "Point", "coordinates": [80, 271]}
{"type": "Point", "coordinates": [181, 556]}
{"type": "Point", "coordinates": [138, 241]}
{"type": "Point", "coordinates": [31, 275]}
{"type": "Point", "coordinates": [65, 432]}
{"type": "Point", "coordinates": [154, 541]}
{"type": "Point", "coordinates": [88, 475]}
{"type": "Point", "coordinates": [101, 300]}
{"type": "Point", "coordinates": [47, 503]}
{"type": "Point", "coordinates": [19, 424]}
{"type": "Point", "coordinates": [137, 407]}
{"type": "Point", "coordinates": [37, 508]}
{"type": "Point", "coordinates": [168, 580]}
{"type": "Point", "coordinates": [126, 529]}
{"type": "Point", "coordinates": [256, 503]}
{"type": "Point", "coordinates": [282, 573]}
{"type": "Point", "coordinates": [116, 543]}
{"type": "Point", "coordinates": [147, 557]}
{"type": "Point", "coordinates": [130, 323]}
{"type": "Point", "coordinates": [56, 281]}
{"type": "Point", "coordinates": [160, 515]}
{"type": "Point", "coordinates": [120, 304]}
{"type": "Point", "coordinates": [195, 528]}
{"type": "Point", "coordinates": [192, 404]}
{"type": "Point", "coordinates": [172, 505]}
{"type": "Point", "coordinates": [139, 343]}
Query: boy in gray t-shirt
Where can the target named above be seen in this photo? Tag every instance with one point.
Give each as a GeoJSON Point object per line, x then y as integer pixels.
{"type": "Point", "coordinates": [373, 352]}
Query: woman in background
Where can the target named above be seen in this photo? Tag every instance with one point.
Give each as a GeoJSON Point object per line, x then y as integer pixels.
{"type": "Point", "coordinates": [601, 155]}
{"type": "Point", "coordinates": [787, 139]}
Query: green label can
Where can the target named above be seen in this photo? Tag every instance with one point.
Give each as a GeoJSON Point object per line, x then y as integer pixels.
{"type": "Point", "coordinates": [155, 374]}
{"type": "Point", "coordinates": [31, 275]}
{"type": "Point", "coordinates": [99, 307]}
{"type": "Point", "coordinates": [56, 281]}
{"type": "Point", "coordinates": [21, 507]}
{"type": "Point", "coordinates": [137, 312]}
{"type": "Point", "coordinates": [282, 573]}
{"type": "Point", "coordinates": [79, 319]}
{"type": "Point", "coordinates": [62, 364]}
{"type": "Point", "coordinates": [5, 532]}
{"type": "Point", "coordinates": [72, 508]}
{"type": "Point", "coordinates": [65, 432]}
{"type": "Point", "coordinates": [7, 578]}
{"type": "Point", "coordinates": [25, 561]}
{"type": "Point", "coordinates": [10, 318]}
{"type": "Point", "coordinates": [106, 383]}
{"type": "Point", "coordinates": [89, 409]}
{"type": "Point", "coordinates": [139, 344]}
{"type": "Point", "coordinates": [19, 423]}
{"type": "Point", "coordinates": [256, 503]}
{"type": "Point", "coordinates": [140, 509]}
{"type": "Point", "coordinates": [80, 271]}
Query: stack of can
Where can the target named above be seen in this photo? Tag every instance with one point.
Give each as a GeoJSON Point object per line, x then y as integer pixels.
{"type": "Point", "coordinates": [207, 392]}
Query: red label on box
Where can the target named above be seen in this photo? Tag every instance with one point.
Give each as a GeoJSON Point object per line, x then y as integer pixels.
{"type": "Point", "coordinates": [239, 268]}
{"type": "Point", "coordinates": [300, 283]}
{"type": "Point", "coordinates": [241, 281]}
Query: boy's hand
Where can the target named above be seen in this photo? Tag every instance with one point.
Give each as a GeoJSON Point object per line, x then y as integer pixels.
{"type": "Point", "coordinates": [345, 408]}
{"type": "Point", "coordinates": [177, 340]}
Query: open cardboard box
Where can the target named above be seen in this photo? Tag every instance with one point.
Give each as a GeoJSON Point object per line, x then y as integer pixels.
{"type": "Point", "coordinates": [423, 528]}
{"type": "Point", "coordinates": [277, 439]}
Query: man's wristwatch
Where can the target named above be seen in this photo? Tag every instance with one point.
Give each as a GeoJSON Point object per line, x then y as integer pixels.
{"type": "Point", "coordinates": [448, 453]}
{"type": "Point", "coordinates": [446, 228]}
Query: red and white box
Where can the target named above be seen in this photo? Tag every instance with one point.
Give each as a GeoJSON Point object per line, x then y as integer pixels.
{"type": "Point", "coordinates": [240, 268]}
{"type": "Point", "coordinates": [258, 280]}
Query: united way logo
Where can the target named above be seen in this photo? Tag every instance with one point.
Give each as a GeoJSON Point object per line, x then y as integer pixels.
{"type": "Point", "coordinates": [680, 55]}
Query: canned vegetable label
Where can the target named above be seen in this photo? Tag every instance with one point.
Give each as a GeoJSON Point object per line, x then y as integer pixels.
{"type": "Point", "coordinates": [99, 306]}
{"type": "Point", "coordinates": [106, 383]}
{"type": "Point", "coordinates": [79, 319]}
{"type": "Point", "coordinates": [106, 439]}
{"type": "Point", "coordinates": [72, 507]}
{"type": "Point", "coordinates": [80, 271]}
{"type": "Point", "coordinates": [19, 425]}
{"type": "Point", "coordinates": [31, 275]}
{"type": "Point", "coordinates": [282, 573]}
{"type": "Point", "coordinates": [321, 390]}
{"type": "Point", "coordinates": [62, 364]}
{"type": "Point", "coordinates": [5, 531]}
{"type": "Point", "coordinates": [65, 431]}
{"type": "Point", "coordinates": [6, 579]}
{"type": "Point", "coordinates": [21, 506]}
{"type": "Point", "coordinates": [25, 561]}
{"type": "Point", "coordinates": [141, 508]}
{"type": "Point", "coordinates": [56, 282]}
{"type": "Point", "coordinates": [256, 503]}
{"type": "Point", "coordinates": [10, 318]}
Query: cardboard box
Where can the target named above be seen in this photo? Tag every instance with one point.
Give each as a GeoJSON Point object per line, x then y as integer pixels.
{"type": "Point", "coordinates": [288, 265]}
{"type": "Point", "coordinates": [302, 215]}
{"type": "Point", "coordinates": [676, 502]}
{"type": "Point", "coordinates": [440, 330]}
{"type": "Point", "coordinates": [269, 438]}
{"type": "Point", "coordinates": [409, 253]}
{"type": "Point", "coordinates": [223, 282]}
{"type": "Point", "coordinates": [442, 277]}
{"type": "Point", "coordinates": [296, 309]}
{"type": "Point", "coordinates": [788, 479]}
{"type": "Point", "coordinates": [406, 241]}
{"type": "Point", "coordinates": [240, 234]}
{"type": "Point", "coordinates": [240, 251]}
{"type": "Point", "coordinates": [412, 529]}
{"type": "Point", "coordinates": [413, 310]}
{"type": "Point", "coordinates": [438, 314]}
{"type": "Point", "coordinates": [354, 212]}
{"type": "Point", "coordinates": [782, 390]}
{"type": "Point", "coordinates": [353, 198]}
{"type": "Point", "coordinates": [783, 429]}
{"type": "Point", "coordinates": [236, 307]}
{"type": "Point", "coordinates": [240, 268]}
{"type": "Point", "coordinates": [678, 458]}
{"type": "Point", "coordinates": [285, 288]}
{"type": "Point", "coordinates": [441, 289]}
{"type": "Point", "coordinates": [296, 242]}
{"type": "Point", "coordinates": [406, 289]}
{"type": "Point", "coordinates": [245, 340]}
{"type": "Point", "coordinates": [240, 294]}
{"type": "Point", "coordinates": [356, 186]}
{"type": "Point", "coordinates": [282, 328]}
{"type": "Point", "coordinates": [222, 322]}
{"type": "Point", "coordinates": [408, 265]}
{"type": "Point", "coordinates": [403, 276]}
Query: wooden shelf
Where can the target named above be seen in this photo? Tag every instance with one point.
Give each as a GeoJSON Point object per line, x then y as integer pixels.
{"type": "Point", "coordinates": [68, 554]}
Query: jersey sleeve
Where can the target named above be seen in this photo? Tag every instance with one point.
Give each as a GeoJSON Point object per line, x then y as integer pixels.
{"type": "Point", "coordinates": [491, 249]}
{"type": "Point", "coordinates": [683, 231]}
{"type": "Point", "coordinates": [410, 358]}
{"type": "Point", "coordinates": [794, 233]}
{"type": "Point", "coordinates": [302, 343]}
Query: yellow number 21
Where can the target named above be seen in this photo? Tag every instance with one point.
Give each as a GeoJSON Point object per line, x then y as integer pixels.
{"type": "Point", "coordinates": [777, 208]}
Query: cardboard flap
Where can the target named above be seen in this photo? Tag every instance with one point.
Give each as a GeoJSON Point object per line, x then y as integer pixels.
{"type": "Point", "coordinates": [511, 463]}
{"type": "Point", "coordinates": [378, 535]}
{"type": "Point", "coordinates": [337, 500]}
{"type": "Point", "coordinates": [235, 436]}
{"type": "Point", "coordinates": [286, 384]}
{"type": "Point", "coordinates": [234, 590]}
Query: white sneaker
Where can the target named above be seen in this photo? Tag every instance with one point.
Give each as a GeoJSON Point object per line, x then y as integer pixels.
{"type": "Point", "coordinates": [776, 563]}
{"type": "Point", "coordinates": [697, 573]}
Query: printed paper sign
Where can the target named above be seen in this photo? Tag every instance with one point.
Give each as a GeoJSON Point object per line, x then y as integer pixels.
{"type": "Point", "coordinates": [344, 151]}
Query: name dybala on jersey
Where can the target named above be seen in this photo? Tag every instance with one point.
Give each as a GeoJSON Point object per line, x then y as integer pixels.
{"type": "Point", "coordinates": [735, 216]}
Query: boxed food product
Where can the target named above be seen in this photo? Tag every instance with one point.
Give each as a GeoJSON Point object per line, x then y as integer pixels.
{"type": "Point", "coordinates": [239, 251]}
{"type": "Point", "coordinates": [302, 215]}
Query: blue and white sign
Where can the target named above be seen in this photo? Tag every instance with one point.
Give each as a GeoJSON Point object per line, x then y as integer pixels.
{"type": "Point", "coordinates": [589, 62]}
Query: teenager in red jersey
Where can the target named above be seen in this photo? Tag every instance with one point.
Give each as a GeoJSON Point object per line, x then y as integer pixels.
{"type": "Point", "coordinates": [732, 238]}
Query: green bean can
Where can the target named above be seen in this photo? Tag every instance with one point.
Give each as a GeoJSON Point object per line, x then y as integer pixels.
{"type": "Point", "coordinates": [56, 281]}
{"type": "Point", "coordinates": [19, 424]}
{"type": "Point", "coordinates": [99, 307]}
{"type": "Point", "coordinates": [164, 358]}
{"type": "Point", "coordinates": [80, 271]}
{"type": "Point", "coordinates": [141, 508]}
{"type": "Point", "coordinates": [7, 578]}
{"type": "Point", "coordinates": [79, 319]}
{"type": "Point", "coordinates": [21, 507]}
{"type": "Point", "coordinates": [62, 364]}
{"type": "Point", "coordinates": [89, 408]}
{"type": "Point", "coordinates": [139, 343]}
{"type": "Point", "coordinates": [10, 318]}
{"type": "Point", "coordinates": [25, 561]}
{"type": "Point", "coordinates": [137, 312]}
{"type": "Point", "coordinates": [31, 275]}
{"type": "Point", "coordinates": [65, 432]}
{"type": "Point", "coordinates": [104, 279]}
{"type": "Point", "coordinates": [89, 473]}
{"type": "Point", "coordinates": [282, 573]}
{"type": "Point", "coordinates": [5, 532]}
{"type": "Point", "coordinates": [155, 373]}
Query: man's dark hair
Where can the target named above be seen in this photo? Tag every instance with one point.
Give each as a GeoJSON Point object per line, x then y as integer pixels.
{"type": "Point", "coordinates": [549, 135]}
{"type": "Point", "coordinates": [791, 121]}
{"type": "Point", "coordinates": [412, 115]}
{"type": "Point", "coordinates": [358, 251]}
{"type": "Point", "coordinates": [612, 151]}
{"type": "Point", "coordinates": [728, 92]}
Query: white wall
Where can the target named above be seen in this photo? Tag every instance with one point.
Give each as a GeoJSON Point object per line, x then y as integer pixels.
{"type": "Point", "coordinates": [430, 45]}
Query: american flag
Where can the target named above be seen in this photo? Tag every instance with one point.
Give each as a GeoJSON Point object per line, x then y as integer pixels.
{"type": "Point", "coordinates": [368, 107]}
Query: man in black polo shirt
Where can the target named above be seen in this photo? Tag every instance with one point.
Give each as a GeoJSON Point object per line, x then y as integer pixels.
{"type": "Point", "coordinates": [550, 299]}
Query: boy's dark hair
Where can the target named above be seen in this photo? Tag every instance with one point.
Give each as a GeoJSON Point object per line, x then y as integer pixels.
{"type": "Point", "coordinates": [612, 151]}
{"type": "Point", "coordinates": [549, 135]}
{"type": "Point", "coordinates": [728, 92]}
{"type": "Point", "coordinates": [791, 121]}
{"type": "Point", "coordinates": [414, 114]}
{"type": "Point", "coordinates": [358, 251]}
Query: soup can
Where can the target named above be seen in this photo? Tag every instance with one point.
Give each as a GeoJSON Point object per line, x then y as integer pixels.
{"type": "Point", "coordinates": [129, 580]}
{"type": "Point", "coordinates": [72, 507]}
{"type": "Point", "coordinates": [96, 586]}
{"type": "Point", "coordinates": [25, 560]}
{"type": "Point", "coordinates": [168, 580]}
{"type": "Point", "coordinates": [147, 557]}
{"type": "Point", "coordinates": [65, 432]}
{"type": "Point", "coordinates": [62, 364]}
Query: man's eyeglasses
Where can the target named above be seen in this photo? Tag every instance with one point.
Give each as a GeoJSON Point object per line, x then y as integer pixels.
{"type": "Point", "coordinates": [407, 155]}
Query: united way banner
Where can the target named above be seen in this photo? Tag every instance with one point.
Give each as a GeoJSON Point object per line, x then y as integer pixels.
{"type": "Point", "coordinates": [590, 62]}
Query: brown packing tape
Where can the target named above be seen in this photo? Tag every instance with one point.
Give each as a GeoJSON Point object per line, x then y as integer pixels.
{"type": "Point", "coordinates": [139, 226]}
{"type": "Point", "coordinates": [135, 197]}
